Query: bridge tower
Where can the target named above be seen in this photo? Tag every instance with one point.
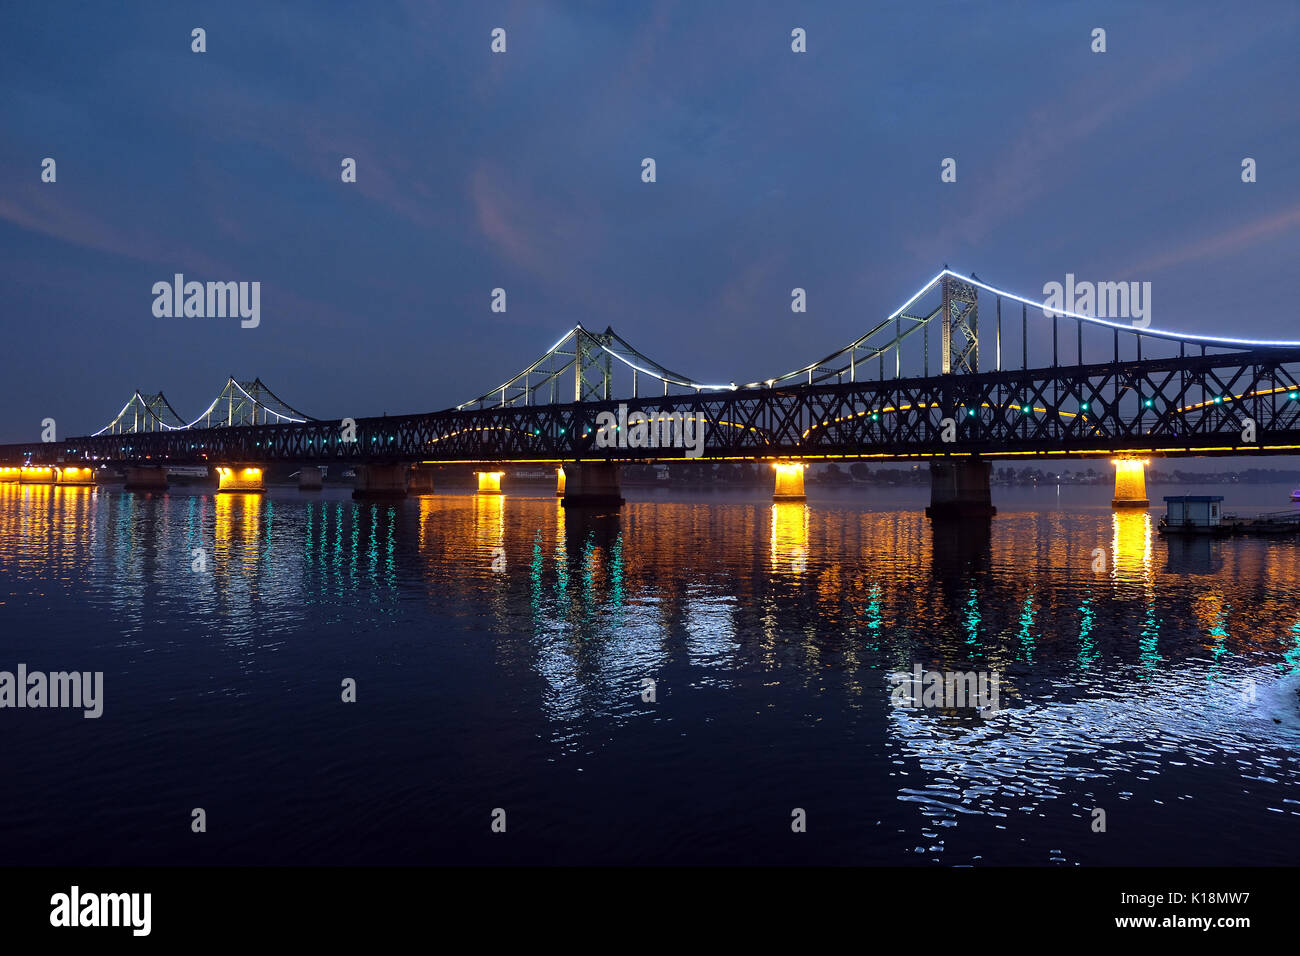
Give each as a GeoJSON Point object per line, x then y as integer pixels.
{"type": "Point", "coordinates": [593, 368]}
{"type": "Point", "coordinates": [959, 488]}
{"type": "Point", "coordinates": [959, 330]}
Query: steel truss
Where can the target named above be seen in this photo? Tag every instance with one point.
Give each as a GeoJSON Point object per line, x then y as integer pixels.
{"type": "Point", "coordinates": [1186, 405]}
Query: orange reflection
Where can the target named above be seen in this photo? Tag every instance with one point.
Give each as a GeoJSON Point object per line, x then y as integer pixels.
{"type": "Point", "coordinates": [789, 548]}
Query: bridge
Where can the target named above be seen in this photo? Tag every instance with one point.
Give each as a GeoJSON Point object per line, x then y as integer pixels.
{"type": "Point", "coordinates": [935, 381]}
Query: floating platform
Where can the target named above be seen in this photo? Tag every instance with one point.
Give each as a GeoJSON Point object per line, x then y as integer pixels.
{"type": "Point", "coordinates": [1272, 524]}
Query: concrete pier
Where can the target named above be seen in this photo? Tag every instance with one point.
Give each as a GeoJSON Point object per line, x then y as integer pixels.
{"type": "Point", "coordinates": [959, 488]}
{"type": "Point", "coordinates": [240, 479]}
{"type": "Point", "coordinates": [420, 481]}
{"type": "Point", "coordinates": [489, 482]}
{"type": "Point", "coordinates": [381, 482]}
{"type": "Point", "coordinates": [74, 475]}
{"type": "Point", "coordinates": [310, 478]}
{"type": "Point", "coordinates": [592, 483]}
{"type": "Point", "coordinates": [1130, 483]}
{"type": "Point", "coordinates": [53, 475]}
{"type": "Point", "coordinates": [37, 475]}
{"type": "Point", "coordinates": [146, 478]}
{"type": "Point", "coordinates": [789, 481]}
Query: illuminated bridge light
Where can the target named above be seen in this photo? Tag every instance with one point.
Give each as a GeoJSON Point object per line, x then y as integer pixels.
{"type": "Point", "coordinates": [1293, 396]}
{"type": "Point", "coordinates": [1218, 399]}
{"type": "Point", "coordinates": [789, 481]}
{"type": "Point", "coordinates": [1083, 406]}
{"type": "Point", "coordinates": [1026, 409]}
{"type": "Point", "coordinates": [1149, 402]}
{"type": "Point", "coordinates": [875, 416]}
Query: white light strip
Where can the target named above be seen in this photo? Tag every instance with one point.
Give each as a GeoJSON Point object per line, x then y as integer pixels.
{"type": "Point", "coordinates": [856, 342]}
{"type": "Point", "coordinates": [1208, 339]}
{"type": "Point", "coordinates": [204, 413]}
{"type": "Point", "coordinates": [116, 417]}
{"type": "Point", "coordinates": [257, 404]}
{"type": "Point", "coordinates": [663, 378]}
{"type": "Point", "coordinates": [1154, 333]}
{"type": "Point", "coordinates": [564, 338]}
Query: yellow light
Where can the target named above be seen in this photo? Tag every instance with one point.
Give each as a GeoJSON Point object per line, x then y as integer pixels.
{"type": "Point", "coordinates": [1130, 481]}
{"type": "Point", "coordinates": [239, 479]}
{"type": "Point", "coordinates": [789, 480]}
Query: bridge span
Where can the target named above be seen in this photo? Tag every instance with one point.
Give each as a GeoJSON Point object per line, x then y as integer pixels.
{"type": "Point", "coordinates": [934, 381]}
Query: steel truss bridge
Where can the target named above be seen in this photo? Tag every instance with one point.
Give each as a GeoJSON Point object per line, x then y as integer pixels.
{"type": "Point", "coordinates": [961, 369]}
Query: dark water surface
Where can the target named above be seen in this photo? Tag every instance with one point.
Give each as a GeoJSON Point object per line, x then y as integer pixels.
{"type": "Point", "coordinates": [1161, 689]}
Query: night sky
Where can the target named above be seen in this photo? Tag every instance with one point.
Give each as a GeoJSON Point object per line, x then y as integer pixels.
{"type": "Point", "coordinates": [523, 171]}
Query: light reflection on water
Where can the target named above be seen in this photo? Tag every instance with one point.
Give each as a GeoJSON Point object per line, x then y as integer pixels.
{"type": "Point", "coordinates": [769, 629]}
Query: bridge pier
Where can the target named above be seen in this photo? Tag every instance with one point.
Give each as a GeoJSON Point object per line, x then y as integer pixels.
{"type": "Point", "coordinates": [72, 475]}
{"type": "Point", "coordinates": [959, 488]}
{"type": "Point", "coordinates": [310, 479]}
{"type": "Point", "coordinates": [489, 482]}
{"type": "Point", "coordinates": [381, 482]}
{"type": "Point", "coordinates": [37, 475]}
{"type": "Point", "coordinates": [1130, 483]}
{"type": "Point", "coordinates": [247, 479]}
{"type": "Point", "coordinates": [789, 481]}
{"type": "Point", "coordinates": [146, 478]}
{"type": "Point", "coordinates": [591, 483]}
{"type": "Point", "coordinates": [420, 481]}
{"type": "Point", "coordinates": [559, 482]}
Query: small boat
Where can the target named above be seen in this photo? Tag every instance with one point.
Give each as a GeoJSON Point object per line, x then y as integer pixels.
{"type": "Point", "coordinates": [1295, 495]}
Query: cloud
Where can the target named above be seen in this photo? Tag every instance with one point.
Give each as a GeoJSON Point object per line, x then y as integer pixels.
{"type": "Point", "coordinates": [50, 209]}
{"type": "Point", "coordinates": [1226, 243]}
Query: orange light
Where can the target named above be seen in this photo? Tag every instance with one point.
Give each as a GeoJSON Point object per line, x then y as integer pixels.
{"type": "Point", "coordinates": [489, 482]}
{"type": "Point", "coordinates": [789, 480]}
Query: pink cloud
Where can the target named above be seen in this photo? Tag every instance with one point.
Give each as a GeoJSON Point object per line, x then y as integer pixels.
{"type": "Point", "coordinates": [1228, 243]}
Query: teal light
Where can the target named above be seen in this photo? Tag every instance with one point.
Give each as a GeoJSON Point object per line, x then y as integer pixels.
{"type": "Point", "coordinates": [1293, 396]}
{"type": "Point", "coordinates": [1083, 406]}
{"type": "Point", "coordinates": [1218, 400]}
{"type": "Point", "coordinates": [1149, 403]}
{"type": "Point", "coordinates": [875, 416]}
{"type": "Point", "coordinates": [1025, 408]}
{"type": "Point", "coordinates": [970, 412]}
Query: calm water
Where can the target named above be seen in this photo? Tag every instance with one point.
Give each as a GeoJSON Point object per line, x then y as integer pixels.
{"type": "Point", "coordinates": [770, 632]}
